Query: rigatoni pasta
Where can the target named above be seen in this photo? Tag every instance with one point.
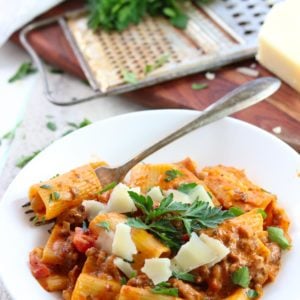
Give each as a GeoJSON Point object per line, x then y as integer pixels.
{"type": "Point", "coordinates": [171, 231]}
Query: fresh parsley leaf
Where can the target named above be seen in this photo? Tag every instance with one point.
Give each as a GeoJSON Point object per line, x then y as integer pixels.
{"type": "Point", "coordinates": [133, 274]}
{"type": "Point", "coordinates": [129, 77]}
{"type": "Point", "coordinates": [108, 187]}
{"type": "Point", "coordinates": [172, 174]}
{"type": "Point", "coordinates": [199, 86]}
{"type": "Point", "coordinates": [165, 288]}
{"type": "Point", "coordinates": [104, 225]}
{"type": "Point", "coordinates": [137, 223]}
{"type": "Point", "coordinates": [56, 71]}
{"type": "Point", "coordinates": [162, 60]}
{"type": "Point", "coordinates": [241, 277]}
{"type": "Point", "coordinates": [55, 195]}
{"type": "Point", "coordinates": [252, 294]}
{"type": "Point", "coordinates": [145, 204]}
{"type": "Point", "coordinates": [276, 235]}
{"type": "Point", "coordinates": [236, 211]}
{"type": "Point", "coordinates": [24, 70]}
{"type": "Point", "coordinates": [262, 212]}
{"type": "Point", "coordinates": [123, 280]}
{"type": "Point", "coordinates": [46, 186]}
{"type": "Point", "coordinates": [186, 188]}
{"type": "Point", "coordinates": [184, 276]}
{"type": "Point", "coordinates": [76, 126]}
{"type": "Point", "coordinates": [51, 126]}
{"type": "Point", "coordinates": [24, 160]}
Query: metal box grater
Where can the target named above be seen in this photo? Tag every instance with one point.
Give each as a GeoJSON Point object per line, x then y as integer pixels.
{"type": "Point", "coordinates": [218, 33]}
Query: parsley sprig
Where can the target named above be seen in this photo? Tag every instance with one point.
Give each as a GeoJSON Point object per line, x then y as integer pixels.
{"type": "Point", "coordinates": [171, 220]}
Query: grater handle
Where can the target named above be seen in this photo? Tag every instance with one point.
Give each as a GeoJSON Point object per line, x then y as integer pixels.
{"type": "Point", "coordinates": [240, 98]}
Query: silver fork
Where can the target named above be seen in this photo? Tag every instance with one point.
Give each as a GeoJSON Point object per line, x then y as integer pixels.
{"type": "Point", "coordinates": [240, 98]}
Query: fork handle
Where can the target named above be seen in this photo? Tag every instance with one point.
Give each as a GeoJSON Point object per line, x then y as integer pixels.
{"type": "Point", "coordinates": [240, 98]}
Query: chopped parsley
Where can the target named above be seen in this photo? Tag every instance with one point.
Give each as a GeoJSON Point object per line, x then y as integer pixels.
{"type": "Point", "coordinates": [46, 186]}
{"type": "Point", "coordinates": [104, 225]}
{"type": "Point", "coordinates": [276, 235]}
{"type": "Point", "coordinates": [129, 77]}
{"type": "Point", "coordinates": [56, 70]}
{"type": "Point", "coordinates": [51, 126]}
{"type": "Point", "coordinates": [172, 174]}
{"type": "Point", "coordinates": [186, 188]}
{"type": "Point", "coordinates": [252, 294]}
{"type": "Point", "coordinates": [199, 86]}
{"type": "Point", "coordinates": [262, 212]}
{"type": "Point", "coordinates": [108, 187]}
{"type": "Point", "coordinates": [24, 70]}
{"type": "Point", "coordinates": [237, 211]}
{"type": "Point", "coordinates": [24, 160]}
{"type": "Point", "coordinates": [241, 277]}
{"type": "Point", "coordinates": [162, 60]}
{"type": "Point", "coordinates": [165, 288]}
{"type": "Point", "coordinates": [184, 276]}
{"type": "Point", "coordinates": [123, 280]}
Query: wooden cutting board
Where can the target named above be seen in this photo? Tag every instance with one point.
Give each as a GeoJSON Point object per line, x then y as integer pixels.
{"type": "Point", "coordinates": [281, 110]}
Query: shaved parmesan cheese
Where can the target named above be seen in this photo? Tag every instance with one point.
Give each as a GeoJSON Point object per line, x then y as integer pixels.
{"type": "Point", "coordinates": [200, 193]}
{"type": "Point", "coordinates": [193, 254]}
{"type": "Point", "coordinates": [155, 194]}
{"type": "Point", "coordinates": [157, 269]}
{"type": "Point", "coordinates": [93, 208]}
{"type": "Point", "coordinates": [178, 196]}
{"type": "Point", "coordinates": [120, 200]}
{"type": "Point", "coordinates": [105, 240]}
{"type": "Point", "coordinates": [123, 245]}
{"type": "Point", "coordinates": [217, 246]}
{"type": "Point", "coordinates": [124, 266]}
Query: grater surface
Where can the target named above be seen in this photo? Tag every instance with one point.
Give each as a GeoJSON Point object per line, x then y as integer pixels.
{"type": "Point", "coordinates": [217, 34]}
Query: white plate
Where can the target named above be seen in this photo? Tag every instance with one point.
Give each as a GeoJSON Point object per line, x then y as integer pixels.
{"type": "Point", "coordinates": [267, 161]}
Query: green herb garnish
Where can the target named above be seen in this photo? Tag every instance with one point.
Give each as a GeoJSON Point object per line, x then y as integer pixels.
{"type": "Point", "coordinates": [262, 212]}
{"type": "Point", "coordinates": [184, 276]}
{"type": "Point", "coordinates": [46, 186]}
{"type": "Point", "coordinates": [162, 60]}
{"type": "Point", "coordinates": [104, 225]}
{"type": "Point", "coordinates": [172, 174]}
{"type": "Point", "coordinates": [108, 187]}
{"type": "Point", "coordinates": [199, 86]}
{"type": "Point", "coordinates": [119, 15]}
{"type": "Point", "coordinates": [241, 277]}
{"type": "Point", "coordinates": [51, 126]}
{"type": "Point", "coordinates": [237, 211]}
{"type": "Point", "coordinates": [123, 280]}
{"type": "Point", "coordinates": [76, 126]}
{"type": "Point", "coordinates": [24, 70]}
{"type": "Point", "coordinates": [252, 294]}
{"type": "Point", "coordinates": [129, 77]}
{"type": "Point", "coordinates": [186, 188]}
{"type": "Point", "coordinates": [56, 71]}
{"type": "Point", "coordinates": [56, 195]}
{"type": "Point", "coordinates": [24, 160]}
{"type": "Point", "coordinates": [160, 220]}
{"type": "Point", "coordinates": [164, 288]}
{"type": "Point", "coordinates": [276, 235]}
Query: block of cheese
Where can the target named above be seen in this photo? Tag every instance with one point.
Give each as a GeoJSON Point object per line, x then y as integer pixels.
{"type": "Point", "coordinates": [279, 42]}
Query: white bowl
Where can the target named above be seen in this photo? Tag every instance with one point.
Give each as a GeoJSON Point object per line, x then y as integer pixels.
{"type": "Point", "coordinates": [267, 161]}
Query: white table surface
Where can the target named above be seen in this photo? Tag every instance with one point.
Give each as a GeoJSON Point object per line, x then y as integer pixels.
{"type": "Point", "coordinates": [24, 101]}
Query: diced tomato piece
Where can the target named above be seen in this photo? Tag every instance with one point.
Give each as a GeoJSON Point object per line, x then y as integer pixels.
{"type": "Point", "coordinates": [38, 269]}
{"type": "Point", "coordinates": [83, 240]}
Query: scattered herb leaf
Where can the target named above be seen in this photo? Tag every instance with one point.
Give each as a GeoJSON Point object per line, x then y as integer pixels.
{"type": "Point", "coordinates": [276, 235]}
{"type": "Point", "coordinates": [252, 294]}
{"type": "Point", "coordinates": [104, 225]}
{"type": "Point", "coordinates": [172, 174]}
{"type": "Point", "coordinates": [24, 160]}
{"type": "Point", "coordinates": [199, 86]}
{"type": "Point", "coordinates": [186, 188]}
{"type": "Point", "coordinates": [108, 187]}
{"type": "Point", "coordinates": [46, 186]}
{"type": "Point", "coordinates": [164, 288]}
{"type": "Point", "coordinates": [237, 211]}
{"type": "Point", "coordinates": [123, 280]}
{"type": "Point", "coordinates": [51, 126]}
{"type": "Point", "coordinates": [262, 212]}
{"type": "Point", "coordinates": [162, 60]}
{"type": "Point", "coordinates": [241, 277]}
{"type": "Point", "coordinates": [184, 276]}
{"type": "Point", "coordinates": [56, 71]}
{"type": "Point", "coordinates": [24, 70]}
{"type": "Point", "coordinates": [129, 77]}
